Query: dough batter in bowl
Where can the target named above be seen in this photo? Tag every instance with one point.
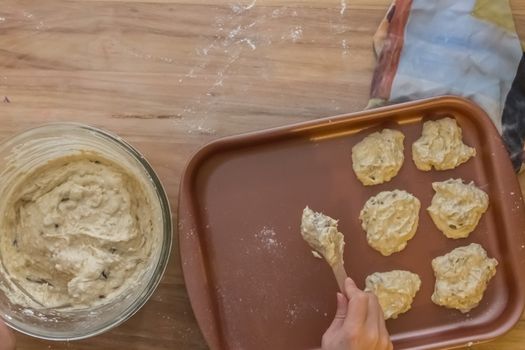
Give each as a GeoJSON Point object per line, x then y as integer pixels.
{"type": "Point", "coordinates": [85, 235]}
{"type": "Point", "coordinates": [77, 230]}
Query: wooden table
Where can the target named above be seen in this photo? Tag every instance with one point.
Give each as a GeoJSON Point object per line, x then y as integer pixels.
{"type": "Point", "coordinates": [171, 75]}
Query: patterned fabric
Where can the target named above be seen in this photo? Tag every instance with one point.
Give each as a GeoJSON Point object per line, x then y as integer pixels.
{"type": "Point", "coordinates": [468, 48]}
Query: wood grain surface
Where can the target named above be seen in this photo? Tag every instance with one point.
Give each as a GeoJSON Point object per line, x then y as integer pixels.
{"type": "Point", "coordinates": [171, 75]}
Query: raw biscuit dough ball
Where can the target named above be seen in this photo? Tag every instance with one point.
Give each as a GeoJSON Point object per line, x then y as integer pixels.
{"type": "Point", "coordinates": [441, 146]}
{"type": "Point", "coordinates": [378, 157]}
{"type": "Point", "coordinates": [390, 219]}
{"type": "Point", "coordinates": [457, 207]}
{"type": "Point", "coordinates": [462, 277]}
{"type": "Point", "coordinates": [395, 290]}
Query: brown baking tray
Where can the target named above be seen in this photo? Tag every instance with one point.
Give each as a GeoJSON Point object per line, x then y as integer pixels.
{"type": "Point", "coordinates": [252, 280]}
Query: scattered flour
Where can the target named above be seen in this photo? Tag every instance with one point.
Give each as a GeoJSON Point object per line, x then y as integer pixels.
{"type": "Point", "coordinates": [292, 312]}
{"type": "Point", "coordinates": [238, 8]}
{"type": "Point", "coordinates": [344, 46]}
{"type": "Point", "coordinates": [297, 34]}
{"type": "Point", "coordinates": [248, 42]}
{"type": "Point", "coordinates": [343, 7]}
{"type": "Point", "coordinates": [278, 12]}
{"type": "Point", "coordinates": [267, 237]}
{"type": "Point", "coordinates": [235, 32]}
{"type": "Point", "coordinates": [201, 130]}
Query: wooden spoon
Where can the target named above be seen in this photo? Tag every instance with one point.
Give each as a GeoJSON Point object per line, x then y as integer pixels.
{"type": "Point", "coordinates": [340, 275]}
{"type": "Point", "coordinates": [320, 232]}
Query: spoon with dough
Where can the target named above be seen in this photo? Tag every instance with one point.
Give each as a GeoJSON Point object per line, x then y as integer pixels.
{"type": "Point", "coordinates": [320, 232]}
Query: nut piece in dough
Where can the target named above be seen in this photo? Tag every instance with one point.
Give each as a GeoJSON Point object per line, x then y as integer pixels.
{"type": "Point", "coordinates": [462, 276]}
{"type": "Point", "coordinates": [441, 146]}
{"type": "Point", "coordinates": [390, 219]}
{"type": "Point", "coordinates": [395, 290]}
{"type": "Point", "coordinates": [457, 207]}
{"type": "Point", "coordinates": [378, 157]}
{"type": "Point", "coordinates": [320, 232]}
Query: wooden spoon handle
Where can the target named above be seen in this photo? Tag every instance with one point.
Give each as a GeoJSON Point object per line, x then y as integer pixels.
{"type": "Point", "coordinates": [340, 275]}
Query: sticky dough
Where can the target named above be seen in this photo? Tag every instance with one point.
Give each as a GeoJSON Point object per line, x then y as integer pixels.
{"type": "Point", "coordinates": [321, 233]}
{"type": "Point", "coordinates": [441, 146]}
{"type": "Point", "coordinates": [457, 207]}
{"type": "Point", "coordinates": [395, 290]}
{"type": "Point", "coordinates": [390, 219]}
{"type": "Point", "coordinates": [77, 232]}
{"type": "Point", "coordinates": [378, 157]}
{"type": "Point", "coordinates": [462, 277]}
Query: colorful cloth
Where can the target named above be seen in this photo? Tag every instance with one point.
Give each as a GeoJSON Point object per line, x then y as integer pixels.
{"type": "Point", "coordinates": [468, 48]}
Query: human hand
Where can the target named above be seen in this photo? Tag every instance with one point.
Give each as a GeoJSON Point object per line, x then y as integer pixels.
{"type": "Point", "coordinates": [7, 338]}
{"type": "Point", "coordinates": [358, 324]}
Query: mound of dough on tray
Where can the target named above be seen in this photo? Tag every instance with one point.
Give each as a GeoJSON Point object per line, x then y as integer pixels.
{"type": "Point", "coordinates": [390, 219]}
{"type": "Point", "coordinates": [457, 207]}
{"type": "Point", "coordinates": [441, 146]}
{"type": "Point", "coordinates": [378, 157]}
{"type": "Point", "coordinates": [462, 277]}
{"type": "Point", "coordinates": [395, 290]}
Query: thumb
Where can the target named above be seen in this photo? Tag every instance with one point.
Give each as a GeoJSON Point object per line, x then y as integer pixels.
{"type": "Point", "coordinates": [340, 313]}
{"type": "Point", "coordinates": [350, 288]}
{"type": "Point", "coordinates": [7, 338]}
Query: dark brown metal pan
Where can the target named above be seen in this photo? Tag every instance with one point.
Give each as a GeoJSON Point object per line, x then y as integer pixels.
{"type": "Point", "coordinates": [254, 283]}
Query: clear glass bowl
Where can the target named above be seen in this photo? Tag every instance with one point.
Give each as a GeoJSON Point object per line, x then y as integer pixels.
{"type": "Point", "coordinates": [37, 146]}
